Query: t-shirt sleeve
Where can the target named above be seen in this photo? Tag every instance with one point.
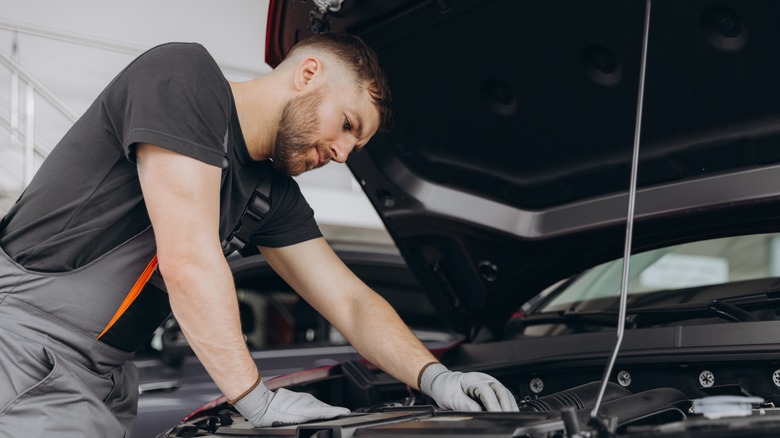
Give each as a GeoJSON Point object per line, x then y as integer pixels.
{"type": "Point", "coordinates": [173, 96]}
{"type": "Point", "coordinates": [291, 219]}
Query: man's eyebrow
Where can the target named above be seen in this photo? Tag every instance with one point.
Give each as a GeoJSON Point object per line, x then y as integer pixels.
{"type": "Point", "coordinates": [358, 125]}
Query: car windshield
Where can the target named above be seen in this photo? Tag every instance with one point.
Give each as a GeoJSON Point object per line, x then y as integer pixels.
{"type": "Point", "coordinates": [675, 274]}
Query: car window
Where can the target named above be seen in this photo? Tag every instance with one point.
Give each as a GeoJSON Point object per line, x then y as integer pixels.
{"type": "Point", "coordinates": [729, 279]}
{"type": "Point", "coordinates": [678, 267]}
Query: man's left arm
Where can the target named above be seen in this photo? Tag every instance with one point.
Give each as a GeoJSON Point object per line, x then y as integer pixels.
{"type": "Point", "coordinates": [376, 331]}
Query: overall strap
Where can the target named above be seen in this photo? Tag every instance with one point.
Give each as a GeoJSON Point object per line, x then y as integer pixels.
{"type": "Point", "coordinates": [258, 207]}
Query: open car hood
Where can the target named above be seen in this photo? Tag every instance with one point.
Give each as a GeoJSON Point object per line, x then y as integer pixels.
{"type": "Point", "coordinates": [509, 163]}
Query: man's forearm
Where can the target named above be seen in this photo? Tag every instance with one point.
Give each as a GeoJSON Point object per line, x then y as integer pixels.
{"type": "Point", "coordinates": [384, 339]}
{"type": "Point", "coordinates": [203, 300]}
{"type": "Point", "coordinates": [367, 321]}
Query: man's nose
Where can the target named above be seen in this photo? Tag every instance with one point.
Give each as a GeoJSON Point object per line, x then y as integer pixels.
{"type": "Point", "coordinates": [340, 150]}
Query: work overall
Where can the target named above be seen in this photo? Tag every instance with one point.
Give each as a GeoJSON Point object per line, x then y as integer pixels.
{"type": "Point", "coordinates": [60, 375]}
{"type": "Point", "coordinates": [65, 338]}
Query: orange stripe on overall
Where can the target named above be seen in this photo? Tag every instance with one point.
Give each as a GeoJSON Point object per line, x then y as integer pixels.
{"type": "Point", "coordinates": [137, 287]}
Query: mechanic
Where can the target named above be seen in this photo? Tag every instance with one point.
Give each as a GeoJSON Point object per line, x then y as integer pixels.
{"type": "Point", "coordinates": [140, 196]}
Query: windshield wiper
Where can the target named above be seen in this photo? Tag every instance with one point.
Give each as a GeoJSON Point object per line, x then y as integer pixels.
{"type": "Point", "coordinates": [571, 318]}
{"type": "Point", "coordinates": [717, 308]}
{"type": "Point", "coordinates": [650, 316]}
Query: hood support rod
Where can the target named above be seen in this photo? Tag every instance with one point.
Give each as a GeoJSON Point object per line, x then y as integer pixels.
{"type": "Point", "coordinates": [629, 218]}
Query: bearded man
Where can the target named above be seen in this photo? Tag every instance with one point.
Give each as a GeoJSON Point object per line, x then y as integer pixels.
{"type": "Point", "coordinates": [132, 214]}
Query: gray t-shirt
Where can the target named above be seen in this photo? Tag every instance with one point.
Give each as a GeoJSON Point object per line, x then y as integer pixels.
{"type": "Point", "coordinates": [86, 198]}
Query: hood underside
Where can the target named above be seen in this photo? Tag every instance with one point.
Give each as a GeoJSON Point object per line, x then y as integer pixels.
{"type": "Point", "coordinates": [509, 163]}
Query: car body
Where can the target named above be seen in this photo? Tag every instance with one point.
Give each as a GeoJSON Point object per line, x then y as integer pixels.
{"type": "Point", "coordinates": [507, 182]}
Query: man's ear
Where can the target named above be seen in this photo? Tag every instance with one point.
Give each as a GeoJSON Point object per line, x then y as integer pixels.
{"type": "Point", "coordinates": [306, 71]}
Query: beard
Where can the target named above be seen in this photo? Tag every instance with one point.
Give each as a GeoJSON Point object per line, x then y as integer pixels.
{"type": "Point", "coordinates": [296, 135]}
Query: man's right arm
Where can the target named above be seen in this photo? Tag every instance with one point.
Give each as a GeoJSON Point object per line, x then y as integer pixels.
{"type": "Point", "coordinates": [182, 199]}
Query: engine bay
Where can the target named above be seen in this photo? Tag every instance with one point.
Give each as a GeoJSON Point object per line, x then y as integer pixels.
{"type": "Point", "coordinates": [690, 399]}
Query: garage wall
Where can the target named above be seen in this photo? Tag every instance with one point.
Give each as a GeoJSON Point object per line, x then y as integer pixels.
{"type": "Point", "coordinates": [74, 48]}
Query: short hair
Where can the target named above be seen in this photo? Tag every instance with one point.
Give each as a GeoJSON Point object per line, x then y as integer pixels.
{"type": "Point", "coordinates": [362, 61]}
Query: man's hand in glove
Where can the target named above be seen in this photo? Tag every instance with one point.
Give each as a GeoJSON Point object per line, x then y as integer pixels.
{"type": "Point", "coordinates": [263, 407]}
{"type": "Point", "coordinates": [461, 391]}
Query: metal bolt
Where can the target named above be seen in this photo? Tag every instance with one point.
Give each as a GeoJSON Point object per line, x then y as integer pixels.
{"type": "Point", "coordinates": [706, 379]}
{"type": "Point", "coordinates": [488, 271]}
{"type": "Point", "coordinates": [537, 385]}
{"type": "Point", "coordinates": [624, 378]}
{"type": "Point", "coordinates": [776, 378]}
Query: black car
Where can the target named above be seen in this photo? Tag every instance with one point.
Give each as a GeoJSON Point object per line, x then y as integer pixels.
{"type": "Point", "coordinates": [536, 143]}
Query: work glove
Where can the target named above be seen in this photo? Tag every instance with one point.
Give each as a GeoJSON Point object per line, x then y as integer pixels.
{"type": "Point", "coordinates": [263, 407]}
{"type": "Point", "coordinates": [461, 391]}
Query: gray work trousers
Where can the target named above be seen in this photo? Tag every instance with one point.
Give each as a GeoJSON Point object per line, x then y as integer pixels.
{"type": "Point", "coordinates": [56, 378]}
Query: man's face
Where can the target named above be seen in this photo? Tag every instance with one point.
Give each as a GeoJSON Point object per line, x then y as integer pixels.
{"type": "Point", "coordinates": [297, 134]}
{"type": "Point", "coordinates": [323, 125]}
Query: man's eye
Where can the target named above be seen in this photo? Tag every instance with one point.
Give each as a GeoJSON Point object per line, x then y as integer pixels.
{"type": "Point", "coordinates": [347, 126]}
